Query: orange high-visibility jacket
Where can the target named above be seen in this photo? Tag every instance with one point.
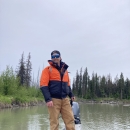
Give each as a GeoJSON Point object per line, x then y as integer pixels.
{"type": "Point", "coordinates": [54, 82]}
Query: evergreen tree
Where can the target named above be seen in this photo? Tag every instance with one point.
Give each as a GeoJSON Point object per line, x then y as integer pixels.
{"type": "Point", "coordinates": [102, 86]}
{"type": "Point", "coordinates": [88, 95]}
{"type": "Point", "coordinates": [115, 88]}
{"type": "Point", "coordinates": [121, 85]}
{"type": "Point", "coordinates": [127, 89]}
{"type": "Point", "coordinates": [93, 85]}
{"type": "Point", "coordinates": [77, 82]}
{"type": "Point", "coordinates": [97, 90]}
{"type": "Point", "coordinates": [28, 71]}
{"type": "Point", "coordinates": [108, 86]}
{"type": "Point", "coordinates": [85, 82]}
{"type": "Point", "coordinates": [74, 86]}
{"type": "Point", "coordinates": [80, 83]}
{"type": "Point", "coordinates": [21, 72]}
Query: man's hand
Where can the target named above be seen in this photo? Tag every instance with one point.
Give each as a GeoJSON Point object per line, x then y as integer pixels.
{"type": "Point", "coordinates": [72, 98]}
{"type": "Point", "coordinates": [49, 104]}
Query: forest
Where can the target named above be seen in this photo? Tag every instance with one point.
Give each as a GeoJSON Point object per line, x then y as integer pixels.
{"type": "Point", "coordinates": [95, 86]}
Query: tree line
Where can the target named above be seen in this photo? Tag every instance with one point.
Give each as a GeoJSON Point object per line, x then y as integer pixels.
{"type": "Point", "coordinates": [19, 83]}
{"type": "Point", "coordinates": [97, 86]}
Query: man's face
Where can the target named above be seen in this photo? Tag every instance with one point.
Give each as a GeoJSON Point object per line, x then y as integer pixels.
{"type": "Point", "coordinates": [56, 58]}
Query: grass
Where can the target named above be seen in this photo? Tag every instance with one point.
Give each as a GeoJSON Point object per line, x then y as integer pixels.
{"type": "Point", "coordinates": [6, 99]}
{"type": "Point", "coordinates": [18, 99]}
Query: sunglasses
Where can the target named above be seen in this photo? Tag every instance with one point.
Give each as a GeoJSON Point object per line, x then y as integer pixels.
{"type": "Point", "coordinates": [55, 56]}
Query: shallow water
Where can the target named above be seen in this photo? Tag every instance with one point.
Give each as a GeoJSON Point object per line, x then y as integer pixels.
{"type": "Point", "coordinates": [93, 117]}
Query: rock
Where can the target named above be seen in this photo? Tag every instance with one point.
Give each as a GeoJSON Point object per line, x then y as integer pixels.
{"type": "Point", "coordinates": [126, 105]}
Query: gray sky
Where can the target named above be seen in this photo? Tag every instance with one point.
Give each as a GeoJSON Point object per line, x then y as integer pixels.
{"type": "Point", "coordinates": [88, 33]}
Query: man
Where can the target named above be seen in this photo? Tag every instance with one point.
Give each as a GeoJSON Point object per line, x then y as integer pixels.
{"type": "Point", "coordinates": [55, 86]}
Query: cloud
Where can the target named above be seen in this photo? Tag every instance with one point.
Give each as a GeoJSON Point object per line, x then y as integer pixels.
{"type": "Point", "coordinates": [93, 34]}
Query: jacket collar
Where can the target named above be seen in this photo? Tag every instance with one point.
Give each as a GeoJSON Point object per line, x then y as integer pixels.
{"type": "Point", "coordinates": [63, 66]}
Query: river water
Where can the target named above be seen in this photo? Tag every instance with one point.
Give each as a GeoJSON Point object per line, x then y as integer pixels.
{"type": "Point", "coordinates": [93, 117]}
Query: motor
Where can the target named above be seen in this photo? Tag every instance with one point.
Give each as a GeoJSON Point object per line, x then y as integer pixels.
{"type": "Point", "coordinates": [76, 112]}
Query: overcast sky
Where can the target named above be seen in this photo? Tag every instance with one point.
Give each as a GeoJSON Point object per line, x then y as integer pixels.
{"type": "Point", "coordinates": [88, 33]}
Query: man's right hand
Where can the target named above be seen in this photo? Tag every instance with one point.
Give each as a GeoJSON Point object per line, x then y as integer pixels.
{"type": "Point", "coordinates": [49, 104]}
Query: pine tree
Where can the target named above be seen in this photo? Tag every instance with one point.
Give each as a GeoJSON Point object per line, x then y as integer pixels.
{"type": "Point", "coordinates": [108, 85]}
{"type": "Point", "coordinates": [21, 71]}
{"type": "Point", "coordinates": [102, 86]}
{"type": "Point", "coordinates": [85, 83]}
{"type": "Point", "coordinates": [97, 91]}
{"type": "Point", "coordinates": [93, 88]}
{"type": "Point", "coordinates": [115, 88]}
{"type": "Point", "coordinates": [127, 89]}
{"type": "Point", "coordinates": [121, 85]}
{"type": "Point", "coordinates": [74, 86]}
{"type": "Point", "coordinates": [88, 94]}
{"type": "Point", "coordinates": [28, 71]}
{"type": "Point", "coordinates": [77, 83]}
{"type": "Point", "coordinates": [80, 83]}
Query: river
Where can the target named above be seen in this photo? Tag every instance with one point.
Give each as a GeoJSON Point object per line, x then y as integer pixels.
{"type": "Point", "coordinates": [93, 117]}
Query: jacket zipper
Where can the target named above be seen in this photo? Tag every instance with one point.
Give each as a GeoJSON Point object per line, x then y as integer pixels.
{"type": "Point", "coordinates": [61, 76]}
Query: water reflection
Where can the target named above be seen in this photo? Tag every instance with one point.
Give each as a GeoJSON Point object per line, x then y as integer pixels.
{"type": "Point", "coordinates": [105, 116]}
{"type": "Point", "coordinates": [93, 117]}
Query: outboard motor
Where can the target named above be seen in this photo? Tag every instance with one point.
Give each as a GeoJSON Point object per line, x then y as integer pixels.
{"type": "Point", "coordinates": [76, 112]}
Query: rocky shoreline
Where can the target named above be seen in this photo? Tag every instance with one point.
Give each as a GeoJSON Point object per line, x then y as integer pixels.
{"type": "Point", "coordinates": [14, 105]}
{"type": "Point", "coordinates": [118, 102]}
{"type": "Point", "coordinates": [80, 101]}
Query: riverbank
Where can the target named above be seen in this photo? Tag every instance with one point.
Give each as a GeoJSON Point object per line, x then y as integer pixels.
{"type": "Point", "coordinates": [11, 102]}
{"type": "Point", "coordinates": [104, 101]}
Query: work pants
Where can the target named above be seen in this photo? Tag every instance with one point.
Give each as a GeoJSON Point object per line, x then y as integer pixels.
{"type": "Point", "coordinates": [63, 107]}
